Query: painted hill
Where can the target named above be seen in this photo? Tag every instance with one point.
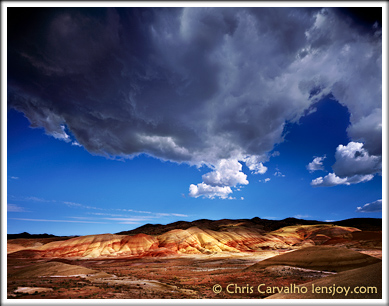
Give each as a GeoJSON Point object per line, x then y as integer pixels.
{"type": "Point", "coordinates": [194, 240]}
{"type": "Point", "coordinates": [99, 245]}
{"type": "Point", "coordinates": [323, 258]}
{"type": "Point", "coordinates": [54, 269]}
{"type": "Point", "coordinates": [23, 241]}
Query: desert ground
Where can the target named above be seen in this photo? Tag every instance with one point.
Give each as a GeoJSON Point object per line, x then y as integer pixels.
{"type": "Point", "coordinates": [225, 263]}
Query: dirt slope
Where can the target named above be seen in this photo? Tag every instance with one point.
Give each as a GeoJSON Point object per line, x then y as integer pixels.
{"type": "Point", "coordinates": [52, 269]}
{"type": "Point", "coordinates": [324, 258]}
{"type": "Point", "coordinates": [369, 276]}
{"type": "Point", "coordinates": [99, 245]}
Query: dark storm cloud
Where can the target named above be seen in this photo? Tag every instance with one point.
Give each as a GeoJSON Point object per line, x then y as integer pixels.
{"type": "Point", "coordinates": [362, 17]}
{"type": "Point", "coordinates": [196, 85]}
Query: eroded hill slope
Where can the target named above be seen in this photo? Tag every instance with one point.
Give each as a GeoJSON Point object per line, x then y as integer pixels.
{"type": "Point", "coordinates": [193, 240]}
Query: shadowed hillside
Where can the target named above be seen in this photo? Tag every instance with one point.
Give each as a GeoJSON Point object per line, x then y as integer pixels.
{"type": "Point", "coordinates": [265, 225]}
{"type": "Point", "coordinates": [323, 258]}
{"type": "Point", "coordinates": [367, 277]}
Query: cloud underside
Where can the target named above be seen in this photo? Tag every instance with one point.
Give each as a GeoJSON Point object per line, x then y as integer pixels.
{"type": "Point", "coordinates": [375, 206]}
{"type": "Point", "coordinates": [193, 85]}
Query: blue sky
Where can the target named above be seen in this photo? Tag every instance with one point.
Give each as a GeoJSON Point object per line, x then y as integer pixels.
{"type": "Point", "coordinates": [184, 114]}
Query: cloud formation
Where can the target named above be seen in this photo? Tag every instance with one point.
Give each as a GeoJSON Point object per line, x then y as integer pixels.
{"type": "Point", "coordinates": [227, 173]}
{"type": "Point", "coordinates": [255, 165]}
{"type": "Point", "coordinates": [353, 159]}
{"type": "Point", "coordinates": [316, 164]}
{"type": "Point", "coordinates": [353, 165]}
{"type": "Point", "coordinates": [278, 173]}
{"type": "Point", "coordinates": [193, 85]}
{"type": "Point", "coordinates": [265, 180]}
{"type": "Point", "coordinates": [375, 206]}
{"type": "Point", "coordinates": [332, 179]}
{"type": "Point", "coordinates": [208, 191]}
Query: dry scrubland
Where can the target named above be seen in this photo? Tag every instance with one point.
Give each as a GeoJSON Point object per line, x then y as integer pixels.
{"type": "Point", "coordinates": [188, 262]}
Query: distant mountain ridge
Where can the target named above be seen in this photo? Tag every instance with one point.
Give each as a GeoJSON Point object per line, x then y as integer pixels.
{"type": "Point", "coordinates": [264, 225]}
{"type": "Point", "coordinates": [26, 235]}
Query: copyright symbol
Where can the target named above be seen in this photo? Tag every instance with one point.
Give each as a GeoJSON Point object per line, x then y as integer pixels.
{"type": "Point", "coordinates": [217, 288]}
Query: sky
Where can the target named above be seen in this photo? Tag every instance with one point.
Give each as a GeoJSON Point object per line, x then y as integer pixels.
{"type": "Point", "coordinates": [118, 117]}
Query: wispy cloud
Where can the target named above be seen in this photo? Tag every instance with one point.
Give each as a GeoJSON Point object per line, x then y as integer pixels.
{"type": "Point", "coordinates": [179, 215]}
{"type": "Point", "coordinates": [133, 220]}
{"type": "Point", "coordinates": [278, 173]}
{"type": "Point", "coordinates": [36, 199]}
{"type": "Point", "coordinates": [127, 219]}
{"type": "Point", "coordinates": [47, 220]}
{"type": "Point", "coordinates": [302, 216]}
{"type": "Point", "coordinates": [140, 219]}
{"type": "Point", "coordinates": [73, 204]}
{"type": "Point", "coordinates": [28, 199]}
{"type": "Point", "coordinates": [132, 210]}
{"type": "Point", "coordinates": [129, 222]}
{"type": "Point", "coordinates": [106, 214]}
{"type": "Point", "coordinates": [271, 218]}
{"type": "Point", "coordinates": [75, 143]}
{"type": "Point", "coordinates": [103, 211]}
{"type": "Point", "coordinates": [82, 206]}
{"type": "Point", "coordinates": [84, 218]}
{"type": "Point", "coordinates": [15, 208]}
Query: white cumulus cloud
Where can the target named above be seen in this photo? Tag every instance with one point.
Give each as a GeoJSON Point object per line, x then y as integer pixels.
{"type": "Point", "coordinates": [227, 173]}
{"type": "Point", "coordinates": [255, 165]}
{"type": "Point", "coordinates": [316, 164]}
{"type": "Point", "coordinates": [218, 183]}
{"type": "Point", "coordinates": [353, 165]}
{"type": "Point", "coordinates": [353, 159]}
{"type": "Point", "coordinates": [332, 180]}
{"type": "Point", "coordinates": [208, 191]}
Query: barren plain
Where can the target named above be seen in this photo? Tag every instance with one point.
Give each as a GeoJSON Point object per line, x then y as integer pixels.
{"type": "Point", "coordinates": [222, 259]}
